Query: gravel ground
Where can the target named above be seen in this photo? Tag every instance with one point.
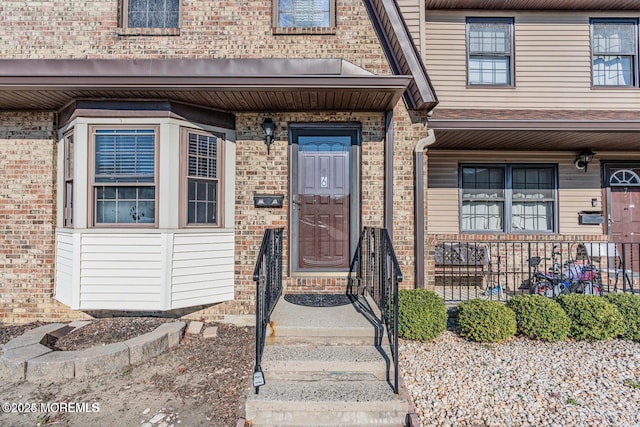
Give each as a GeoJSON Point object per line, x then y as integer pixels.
{"type": "Point", "coordinates": [522, 382]}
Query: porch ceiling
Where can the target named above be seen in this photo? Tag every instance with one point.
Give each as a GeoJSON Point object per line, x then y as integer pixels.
{"type": "Point", "coordinates": [534, 4]}
{"type": "Point", "coordinates": [235, 85]}
{"type": "Point", "coordinates": [536, 130]}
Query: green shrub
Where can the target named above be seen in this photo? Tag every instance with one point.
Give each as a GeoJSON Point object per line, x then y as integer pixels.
{"type": "Point", "coordinates": [629, 306]}
{"type": "Point", "coordinates": [540, 318]}
{"type": "Point", "coordinates": [422, 314]}
{"type": "Point", "coordinates": [592, 317]}
{"type": "Point", "coordinates": [486, 321]}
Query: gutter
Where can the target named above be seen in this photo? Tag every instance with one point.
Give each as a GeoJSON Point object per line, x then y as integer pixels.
{"type": "Point", "coordinates": [421, 148]}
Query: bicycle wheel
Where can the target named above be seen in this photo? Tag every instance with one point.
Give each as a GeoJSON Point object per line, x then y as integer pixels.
{"type": "Point", "coordinates": [543, 287]}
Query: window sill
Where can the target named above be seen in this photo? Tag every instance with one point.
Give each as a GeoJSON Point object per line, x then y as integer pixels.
{"type": "Point", "coordinates": [303, 31]}
{"type": "Point", "coordinates": [126, 32]}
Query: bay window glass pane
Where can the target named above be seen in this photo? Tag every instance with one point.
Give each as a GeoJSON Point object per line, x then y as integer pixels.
{"type": "Point", "coordinates": [125, 205]}
{"type": "Point", "coordinates": [126, 155]}
{"type": "Point", "coordinates": [202, 182]}
{"type": "Point", "coordinates": [304, 13]}
{"type": "Point", "coordinates": [202, 201]}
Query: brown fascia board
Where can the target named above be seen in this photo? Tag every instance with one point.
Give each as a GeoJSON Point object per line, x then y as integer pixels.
{"type": "Point", "coordinates": [536, 125]}
{"type": "Point", "coordinates": [230, 74]}
{"type": "Point", "coordinates": [595, 5]}
{"type": "Point", "coordinates": [402, 53]}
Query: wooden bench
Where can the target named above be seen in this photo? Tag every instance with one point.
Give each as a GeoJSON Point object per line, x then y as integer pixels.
{"type": "Point", "coordinates": [462, 264]}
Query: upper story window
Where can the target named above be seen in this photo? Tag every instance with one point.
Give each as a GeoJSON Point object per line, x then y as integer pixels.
{"type": "Point", "coordinates": [304, 14]}
{"type": "Point", "coordinates": [511, 198]}
{"type": "Point", "coordinates": [490, 51]}
{"type": "Point", "coordinates": [614, 52]}
{"type": "Point", "coordinates": [124, 175]}
{"type": "Point", "coordinates": [151, 13]}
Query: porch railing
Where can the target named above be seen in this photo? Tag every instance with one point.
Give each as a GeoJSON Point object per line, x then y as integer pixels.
{"type": "Point", "coordinates": [464, 270]}
{"type": "Point", "coordinates": [268, 278]}
{"type": "Point", "coordinates": [378, 273]}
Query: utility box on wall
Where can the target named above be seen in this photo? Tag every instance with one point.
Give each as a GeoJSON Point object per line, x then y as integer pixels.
{"type": "Point", "coordinates": [268, 200]}
{"type": "Point", "coordinates": [590, 217]}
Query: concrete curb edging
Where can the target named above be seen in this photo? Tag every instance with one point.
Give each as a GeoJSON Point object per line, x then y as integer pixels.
{"type": "Point", "coordinates": [26, 358]}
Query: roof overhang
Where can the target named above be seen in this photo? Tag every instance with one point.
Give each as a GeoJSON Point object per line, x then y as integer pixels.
{"type": "Point", "coordinates": [547, 130]}
{"type": "Point", "coordinates": [236, 85]}
{"type": "Point", "coordinates": [603, 5]}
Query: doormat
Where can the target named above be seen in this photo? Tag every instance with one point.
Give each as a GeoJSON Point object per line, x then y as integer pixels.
{"type": "Point", "coordinates": [318, 300]}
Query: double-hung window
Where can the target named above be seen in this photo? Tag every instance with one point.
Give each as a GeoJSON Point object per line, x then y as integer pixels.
{"type": "Point", "coordinates": [510, 198]}
{"type": "Point", "coordinates": [614, 52]}
{"type": "Point", "coordinates": [67, 215]}
{"type": "Point", "coordinates": [304, 13]}
{"type": "Point", "coordinates": [151, 13]}
{"type": "Point", "coordinates": [124, 175]}
{"type": "Point", "coordinates": [490, 51]}
{"type": "Point", "coordinates": [202, 152]}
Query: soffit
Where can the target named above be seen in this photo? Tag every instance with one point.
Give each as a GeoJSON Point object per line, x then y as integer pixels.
{"type": "Point", "coordinates": [552, 130]}
{"type": "Point", "coordinates": [534, 4]}
{"type": "Point", "coordinates": [236, 85]}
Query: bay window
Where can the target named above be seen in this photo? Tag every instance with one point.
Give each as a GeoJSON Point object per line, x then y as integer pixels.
{"type": "Point", "coordinates": [201, 177]}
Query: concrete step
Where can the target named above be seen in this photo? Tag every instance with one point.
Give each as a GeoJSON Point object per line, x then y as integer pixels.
{"type": "Point", "coordinates": [316, 362]}
{"type": "Point", "coordinates": [335, 403]}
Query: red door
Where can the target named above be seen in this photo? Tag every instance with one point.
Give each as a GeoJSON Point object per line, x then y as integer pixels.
{"type": "Point", "coordinates": [624, 215]}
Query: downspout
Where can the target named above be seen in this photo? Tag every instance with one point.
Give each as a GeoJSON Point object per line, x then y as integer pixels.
{"type": "Point", "coordinates": [388, 173]}
{"type": "Point", "coordinates": [421, 148]}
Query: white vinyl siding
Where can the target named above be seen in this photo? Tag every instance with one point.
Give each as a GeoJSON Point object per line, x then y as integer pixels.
{"type": "Point", "coordinates": [576, 189]}
{"type": "Point", "coordinates": [64, 266]}
{"type": "Point", "coordinates": [552, 64]}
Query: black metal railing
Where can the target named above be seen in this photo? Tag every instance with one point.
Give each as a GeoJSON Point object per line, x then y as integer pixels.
{"type": "Point", "coordinates": [378, 273]}
{"type": "Point", "coordinates": [268, 278]}
{"type": "Point", "coordinates": [464, 270]}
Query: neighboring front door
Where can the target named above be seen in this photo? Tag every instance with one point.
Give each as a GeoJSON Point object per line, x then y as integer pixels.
{"type": "Point", "coordinates": [624, 209]}
{"type": "Point", "coordinates": [322, 198]}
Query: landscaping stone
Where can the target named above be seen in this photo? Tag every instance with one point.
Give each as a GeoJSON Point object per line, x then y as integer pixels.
{"type": "Point", "coordinates": [195, 327]}
{"type": "Point", "coordinates": [210, 332]}
{"type": "Point", "coordinates": [53, 366]}
{"type": "Point", "coordinates": [14, 361]}
{"type": "Point", "coordinates": [98, 360]}
{"type": "Point", "coordinates": [146, 346]}
{"type": "Point", "coordinates": [173, 330]}
{"type": "Point", "coordinates": [33, 336]}
{"type": "Point", "coordinates": [77, 324]}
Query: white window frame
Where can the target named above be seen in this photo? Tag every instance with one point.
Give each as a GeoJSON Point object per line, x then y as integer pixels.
{"type": "Point", "coordinates": [68, 175]}
{"type": "Point", "coordinates": [507, 54]}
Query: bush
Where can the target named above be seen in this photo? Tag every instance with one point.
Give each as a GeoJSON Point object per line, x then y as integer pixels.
{"type": "Point", "coordinates": [422, 314]}
{"type": "Point", "coordinates": [540, 318]}
{"type": "Point", "coordinates": [629, 307]}
{"type": "Point", "coordinates": [486, 321]}
{"type": "Point", "coordinates": [592, 317]}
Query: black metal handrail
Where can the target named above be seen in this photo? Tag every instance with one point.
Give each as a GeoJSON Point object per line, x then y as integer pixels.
{"type": "Point", "coordinates": [268, 278]}
{"type": "Point", "coordinates": [468, 269]}
{"type": "Point", "coordinates": [379, 274]}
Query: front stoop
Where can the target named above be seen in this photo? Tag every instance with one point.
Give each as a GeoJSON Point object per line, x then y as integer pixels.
{"type": "Point", "coordinates": [322, 368]}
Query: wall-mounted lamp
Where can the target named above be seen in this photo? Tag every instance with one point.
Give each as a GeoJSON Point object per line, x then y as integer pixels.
{"type": "Point", "coordinates": [584, 157]}
{"type": "Point", "coordinates": [268, 127]}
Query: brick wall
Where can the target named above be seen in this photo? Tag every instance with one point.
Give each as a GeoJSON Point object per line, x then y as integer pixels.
{"type": "Point", "coordinates": [27, 218]}
{"type": "Point", "coordinates": [209, 29]}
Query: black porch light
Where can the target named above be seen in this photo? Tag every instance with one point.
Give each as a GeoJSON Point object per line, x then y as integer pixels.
{"type": "Point", "coordinates": [584, 158]}
{"type": "Point", "coordinates": [268, 127]}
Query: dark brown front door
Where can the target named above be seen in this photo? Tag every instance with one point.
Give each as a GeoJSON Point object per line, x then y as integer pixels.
{"type": "Point", "coordinates": [323, 193]}
{"type": "Point", "coordinates": [323, 182]}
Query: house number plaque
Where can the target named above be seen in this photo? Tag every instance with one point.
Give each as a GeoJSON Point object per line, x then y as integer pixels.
{"type": "Point", "coordinates": [323, 182]}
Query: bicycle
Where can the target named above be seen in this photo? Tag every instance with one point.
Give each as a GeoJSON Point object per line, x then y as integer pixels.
{"type": "Point", "coordinates": [494, 289]}
{"type": "Point", "coordinates": [571, 277]}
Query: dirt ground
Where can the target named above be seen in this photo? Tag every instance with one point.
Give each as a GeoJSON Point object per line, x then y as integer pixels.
{"type": "Point", "coordinates": [199, 383]}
